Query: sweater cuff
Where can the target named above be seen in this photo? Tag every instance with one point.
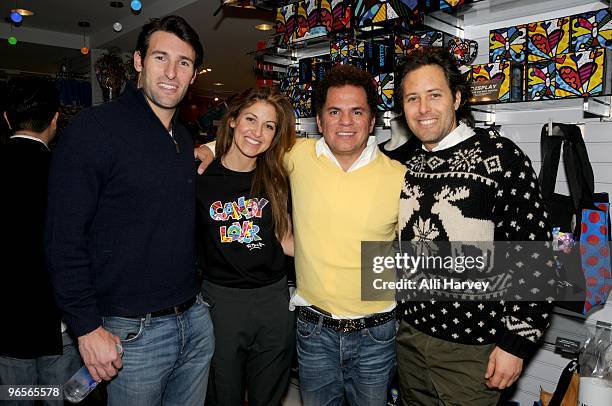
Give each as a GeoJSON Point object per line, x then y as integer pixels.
{"type": "Point", "coordinates": [83, 324]}
{"type": "Point", "coordinates": [517, 345]}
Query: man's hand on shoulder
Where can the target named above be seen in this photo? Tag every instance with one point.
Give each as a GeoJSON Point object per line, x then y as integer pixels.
{"type": "Point", "coordinates": [205, 154]}
{"type": "Point", "coordinates": [503, 369]}
{"type": "Point", "coordinates": [100, 354]}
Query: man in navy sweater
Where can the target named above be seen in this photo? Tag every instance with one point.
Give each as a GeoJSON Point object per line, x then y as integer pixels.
{"type": "Point", "coordinates": [120, 231]}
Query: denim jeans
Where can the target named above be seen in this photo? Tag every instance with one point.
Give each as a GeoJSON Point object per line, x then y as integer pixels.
{"type": "Point", "coordinates": [334, 367]}
{"type": "Point", "coordinates": [165, 359]}
{"type": "Point", "coordinates": [45, 370]}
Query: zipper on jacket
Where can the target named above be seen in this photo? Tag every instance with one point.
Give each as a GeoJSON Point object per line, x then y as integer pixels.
{"type": "Point", "coordinates": [176, 146]}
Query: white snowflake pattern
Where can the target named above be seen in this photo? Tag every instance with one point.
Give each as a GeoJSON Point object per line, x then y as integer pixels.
{"type": "Point", "coordinates": [416, 164]}
{"type": "Point", "coordinates": [465, 160]}
{"type": "Point", "coordinates": [424, 230]}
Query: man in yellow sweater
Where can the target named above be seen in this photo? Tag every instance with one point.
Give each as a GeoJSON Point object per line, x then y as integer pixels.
{"type": "Point", "coordinates": [344, 191]}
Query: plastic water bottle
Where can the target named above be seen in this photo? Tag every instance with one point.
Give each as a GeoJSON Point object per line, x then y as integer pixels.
{"type": "Point", "coordinates": [81, 383]}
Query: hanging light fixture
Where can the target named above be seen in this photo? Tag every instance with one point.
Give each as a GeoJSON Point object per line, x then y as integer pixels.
{"type": "Point", "coordinates": [117, 5]}
{"type": "Point", "coordinates": [84, 25]}
{"type": "Point", "coordinates": [136, 5]}
{"type": "Point", "coordinates": [16, 17]}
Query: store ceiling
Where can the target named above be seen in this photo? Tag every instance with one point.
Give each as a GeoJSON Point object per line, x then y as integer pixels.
{"type": "Point", "coordinates": [52, 37]}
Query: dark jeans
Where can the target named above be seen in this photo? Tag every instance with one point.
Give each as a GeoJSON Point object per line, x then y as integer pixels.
{"type": "Point", "coordinates": [46, 370]}
{"type": "Point", "coordinates": [336, 366]}
{"type": "Point", "coordinates": [254, 332]}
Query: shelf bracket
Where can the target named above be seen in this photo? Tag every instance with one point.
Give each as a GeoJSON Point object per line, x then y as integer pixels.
{"type": "Point", "coordinates": [598, 106]}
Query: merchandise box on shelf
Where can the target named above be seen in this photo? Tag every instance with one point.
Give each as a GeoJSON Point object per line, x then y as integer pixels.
{"type": "Point", "coordinates": [369, 13]}
{"type": "Point", "coordinates": [508, 44]}
{"type": "Point", "coordinates": [591, 30]}
{"type": "Point", "coordinates": [576, 74]}
{"type": "Point", "coordinates": [342, 12]}
{"type": "Point", "coordinates": [312, 70]}
{"type": "Point", "coordinates": [384, 84]}
{"type": "Point", "coordinates": [547, 39]}
{"type": "Point", "coordinates": [405, 44]}
{"type": "Point", "coordinates": [344, 47]}
{"type": "Point", "coordinates": [446, 5]}
{"type": "Point", "coordinates": [496, 82]}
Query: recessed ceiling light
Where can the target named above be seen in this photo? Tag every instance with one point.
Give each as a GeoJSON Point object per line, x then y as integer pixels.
{"type": "Point", "coordinates": [216, 99]}
{"type": "Point", "coordinates": [217, 84]}
{"type": "Point", "coordinates": [23, 12]}
{"type": "Point", "coordinates": [263, 27]}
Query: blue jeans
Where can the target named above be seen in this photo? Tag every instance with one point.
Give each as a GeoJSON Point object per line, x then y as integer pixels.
{"type": "Point", "coordinates": [355, 366]}
{"type": "Point", "coordinates": [165, 359]}
{"type": "Point", "coordinates": [45, 370]}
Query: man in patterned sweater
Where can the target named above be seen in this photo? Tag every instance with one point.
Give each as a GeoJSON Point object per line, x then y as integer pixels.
{"type": "Point", "coordinates": [464, 185]}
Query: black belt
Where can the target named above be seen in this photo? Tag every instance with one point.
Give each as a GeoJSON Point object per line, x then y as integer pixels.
{"type": "Point", "coordinates": [176, 310]}
{"type": "Point", "coordinates": [345, 325]}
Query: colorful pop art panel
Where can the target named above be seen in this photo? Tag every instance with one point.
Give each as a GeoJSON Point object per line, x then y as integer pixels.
{"type": "Point", "coordinates": [373, 12]}
{"type": "Point", "coordinates": [404, 45]}
{"type": "Point", "coordinates": [592, 30]}
{"type": "Point", "coordinates": [508, 44]}
{"type": "Point", "coordinates": [341, 11]}
{"type": "Point", "coordinates": [385, 88]}
{"type": "Point", "coordinates": [575, 74]}
{"type": "Point", "coordinates": [464, 51]}
{"type": "Point", "coordinates": [541, 80]}
{"type": "Point", "coordinates": [546, 39]}
{"type": "Point", "coordinates": [498, 72]}
{"type": "Point", "coordinates": [580, 73]}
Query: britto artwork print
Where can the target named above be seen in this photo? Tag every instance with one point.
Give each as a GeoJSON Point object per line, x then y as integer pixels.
{"type": "Point", "coordinates": [372, 12]}
{"type": "Point", "coordinates": [341, 11]}
{"type": "Point", "coordinates": [326, 18]}
{"type": "Point", "coordinates": [580, 73]}
{"type": "Point", "coordinates": [541, 80]}
{"type": "Point", "coordinates": [339, 49]}
{"type": "Point", "coordinates": [546, 39]}
{"type": "Point", "coordinates": [405, 45]}
{"type": "Point", "coordinates": [300, 96]}
{"type": "Point", "coordinates": [592, 30]}
{"type": "Point", "coordinates": [494, 72]}
{"type": "Point", "coordinates": [285, 22]}
{"type": "Point", "coordinates": [508, 44]}
{"type": "Point", "coordinates": [301, 20]}
{"type": "Point", "coordinates": [434, 5]}
{"type": "Point", "coordinates": [464, 51]}
{"type": "Point", "coordinates": [384, 84]}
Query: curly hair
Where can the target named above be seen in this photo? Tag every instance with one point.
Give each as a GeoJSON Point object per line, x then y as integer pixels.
{"type": "Point", "coordinates": [343, 75]}
{"type": "Point", "coordinates": [457, 82]}
{"type": "Point", "coordinates": [271, 177]}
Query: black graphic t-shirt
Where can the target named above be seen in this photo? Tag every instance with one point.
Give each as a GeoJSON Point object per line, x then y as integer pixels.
{"type": "Point", "coordinates": [237, 246]}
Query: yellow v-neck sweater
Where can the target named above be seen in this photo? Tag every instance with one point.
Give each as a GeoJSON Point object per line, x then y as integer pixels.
{"type": "Point", "coordinates": [333, 212]}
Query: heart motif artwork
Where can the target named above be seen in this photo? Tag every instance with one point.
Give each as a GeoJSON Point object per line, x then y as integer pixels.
{"type": "Point", "coordinates": [546, 39]}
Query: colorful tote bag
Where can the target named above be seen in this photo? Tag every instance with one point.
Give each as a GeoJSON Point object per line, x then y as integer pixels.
{"type": "Point", "coordinates": [581, 221]}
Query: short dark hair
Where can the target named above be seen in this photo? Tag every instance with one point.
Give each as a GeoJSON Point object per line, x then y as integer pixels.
{"type": "Point", "coordinates": [175, 25]}
{"type": "Point", "coordinates": [346, 75]}
{"type": "Point", "coordinates": [31, 104]}
{"type": "Point", "coordinates": [456, 80]}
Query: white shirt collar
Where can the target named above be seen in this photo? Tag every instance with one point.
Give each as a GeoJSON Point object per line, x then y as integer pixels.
{"type": "Point", "coordinates": [461, 133]}
{"type": "Point", "coordinates": [29, 137]}
{"type": "Point", "coordinates": [367, 155]}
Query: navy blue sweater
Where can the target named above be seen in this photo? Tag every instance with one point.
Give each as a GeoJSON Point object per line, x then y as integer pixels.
{"type": "Point", "coordinates": [121, 214]}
